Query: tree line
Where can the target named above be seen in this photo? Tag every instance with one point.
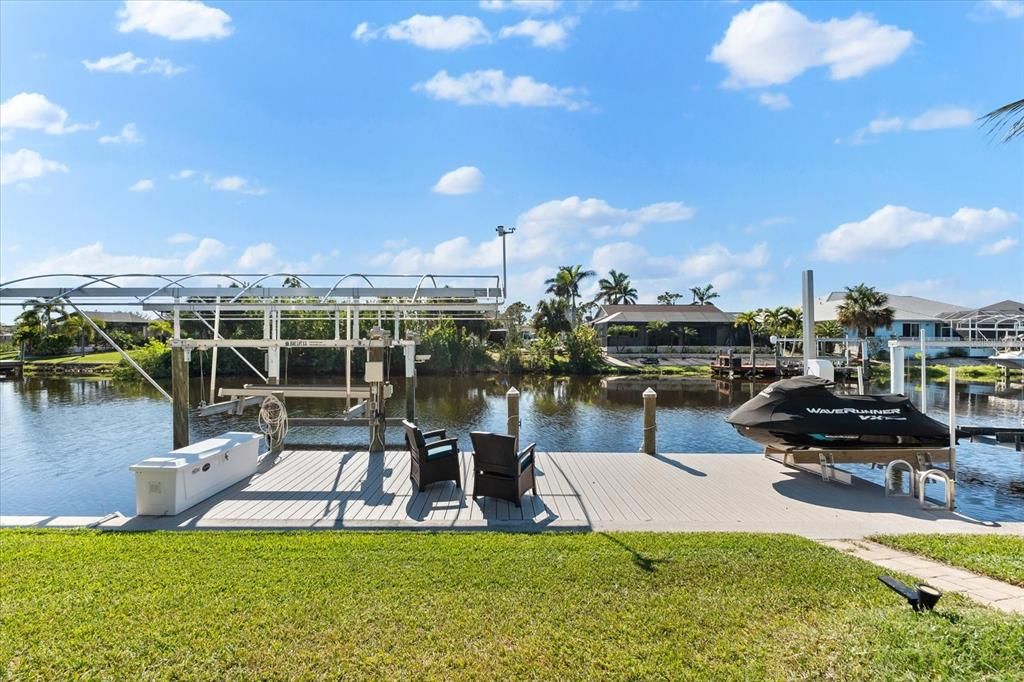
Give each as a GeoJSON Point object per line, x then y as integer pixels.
{"type": "Point", "coordinates": [564, 310]}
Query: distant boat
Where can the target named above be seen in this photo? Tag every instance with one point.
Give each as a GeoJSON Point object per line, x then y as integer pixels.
{"type": "Point", "coordinates": [1009, 358]}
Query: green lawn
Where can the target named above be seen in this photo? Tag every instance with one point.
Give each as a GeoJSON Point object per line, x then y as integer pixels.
{"type": "Point", "coordinates": [416, 605]}
{"type": "Point", "coordinates": [108, 358]}
{"type": "Point", "coordinates": [998, 556]}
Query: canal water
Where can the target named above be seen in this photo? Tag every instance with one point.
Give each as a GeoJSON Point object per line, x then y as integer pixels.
{"type": "Point", "coordinates": [65, 444]}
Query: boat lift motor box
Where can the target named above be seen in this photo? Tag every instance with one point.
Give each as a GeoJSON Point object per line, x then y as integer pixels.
{"type": "Point", "coordinates": [168, 485]}
{"type": "Point", "coordinates": [821, 368]}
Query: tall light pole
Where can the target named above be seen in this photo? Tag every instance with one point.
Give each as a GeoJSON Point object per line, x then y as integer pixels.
{"type": "Point", "coordinates": [503, 232]}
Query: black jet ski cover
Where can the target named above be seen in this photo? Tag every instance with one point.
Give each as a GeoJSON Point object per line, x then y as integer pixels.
{"type": "Point", "coordinates": [803, 412]}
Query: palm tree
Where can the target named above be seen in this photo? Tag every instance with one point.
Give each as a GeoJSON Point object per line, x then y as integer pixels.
{"type": "Point", "coordinates": [703, 295]}
{"type": "Point", "coordinates": [551, 316]}
{"type": "Point", "coordinates": [864, 309]}
{"type": "Point", "coordinates": [792, 320]}
{"type": "Point", "coordinates": [616, 289]}
{"type": "Point", "coordinates": [75, 326]}
{"type": "Point", "coordinates": [47, 312]}
{"type": "Point", "coordinates": [28, 331]}
{"type": "Point", "coordinates": [829, 329]}
{"type": "Point", "coordinates": [773, 320]}
{"type": "Point", "coordinates": [669, 298]}
{"type": "Point", "coordinates": [658, 330]}
{"type": "Point", "coordinates": [161, 329]}
{"type": "Point", "coordinates": [750, 320]}
{"type": "Point", "coordinates": [566, 284]}
{"type": "Point", "coordinates": [1008, 118]}
{"type": "Point", "coordinates": [587, 310]}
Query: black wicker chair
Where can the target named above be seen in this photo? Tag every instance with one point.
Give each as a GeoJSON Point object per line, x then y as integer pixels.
{"type": "Point", "coordinates": [433, 461]}
{"type": "Point", "coordinates": [498, 470]}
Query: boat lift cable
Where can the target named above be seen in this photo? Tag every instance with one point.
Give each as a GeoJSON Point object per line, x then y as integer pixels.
{"type": "Point", "coordinates": [128, 358]}
{"type": "Point", "coordinates": [202, 382]}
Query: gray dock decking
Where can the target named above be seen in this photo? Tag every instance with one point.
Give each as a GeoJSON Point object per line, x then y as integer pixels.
{"type": "Point", "coordinates": [576, 490]}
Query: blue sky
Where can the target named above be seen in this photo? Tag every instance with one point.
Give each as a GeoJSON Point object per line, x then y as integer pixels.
{"type": "Point", "coordinates": [734, 143]}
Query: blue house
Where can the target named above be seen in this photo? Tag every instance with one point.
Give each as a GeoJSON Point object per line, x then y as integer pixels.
{"type": "Point", "coordinates": [912, 316]}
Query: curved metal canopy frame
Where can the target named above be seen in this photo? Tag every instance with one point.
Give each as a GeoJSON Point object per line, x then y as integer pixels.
{"type": "Point", "coordinates": [105, 279]}
{"type": "Point", "coordinates": [343, 278]}
{"type": "Point", "coordinates": [265, 278]}
{"type": "Point", "coordinates": [188, 277]}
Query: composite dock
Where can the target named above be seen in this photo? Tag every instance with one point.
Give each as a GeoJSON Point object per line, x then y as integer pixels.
{"type": "Point", "coordinates": [575, 491]}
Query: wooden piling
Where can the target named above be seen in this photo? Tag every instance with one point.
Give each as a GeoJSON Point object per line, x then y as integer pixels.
{"type": "Point", "coordinates": [410, 382]}
{"type": "Point", "coordinates": [179, 397]}
{"type": "Point", "coordinates": [650, 445]}
{"type": "Point", "coordinates": [512, 400]}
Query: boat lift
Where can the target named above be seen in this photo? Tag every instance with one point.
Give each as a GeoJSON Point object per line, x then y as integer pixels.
{"type": "Point", "coordinates": [392, 303]}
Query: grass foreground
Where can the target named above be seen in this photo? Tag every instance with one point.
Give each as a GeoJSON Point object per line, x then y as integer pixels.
{"type": "Point", "coordinates": [472, 605]}
{"type": "Point", "coordinates": [997, 556]}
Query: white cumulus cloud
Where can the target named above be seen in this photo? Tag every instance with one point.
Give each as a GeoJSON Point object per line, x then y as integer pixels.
{"type": "Point", "coordinates": [183, 174]}
{"type": "Point", "coordinates": [771, 43]}
{"type": "Point", "coordinates": [998, 247]}
{"type": "Point", "coordinates": [236, 183]}
{"type": "Point", "coordinates": [174, 19]}
{"type": "Point", "coordinates": [429, 32]}
{"type": "Point", "coordinates": [776, 101]}
{"type": "Point", "coordinates": [531, 6]}
{"type": "Point", "coordinates": [938, 118]}
{"type": "Point", "coordinates": [654, 273]}
{"type": "Point", "coordinates": [257, 255]}
{"type": "Point", "coordinates": [943, 117]}
{"type": "Point", "coordinates": [143, 185]}
{"type": "Point", "coordinates": [181, 238]}
{"type": "Point", "coordinates": [127, 62]}
{"type": "Point", "coordinates": [550, 34]}
{"type": "Point", "coordinates": [1011, 9]}
{"type": "Point", "coordinates": [463, 180]}
{"type": "Point", "coordinates": [129, 135]}
{"type": "Point", "coordinates": [26, 164]}
{"type": "Point", "coordinates": [32, 111]}
{"type": "Point", "coordinates": [95, 258]}
{"type": "Point", "coordinates": [895, 227]}
{"type": "Point", "coordinates": [492, 86]}
{"type": "Point", "coordinates": [544, 231]}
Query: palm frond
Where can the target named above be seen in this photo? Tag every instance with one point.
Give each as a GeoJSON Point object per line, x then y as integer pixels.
{"type": "Point", "coordinates": [1007, 120]}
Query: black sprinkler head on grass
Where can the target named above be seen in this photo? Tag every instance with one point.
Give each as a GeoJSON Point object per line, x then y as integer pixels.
{"type": "Point", "coordinates": [923, 598]}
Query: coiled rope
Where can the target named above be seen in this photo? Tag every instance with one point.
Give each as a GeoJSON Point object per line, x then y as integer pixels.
{"type": "Point", "coordinates": [273, 421]}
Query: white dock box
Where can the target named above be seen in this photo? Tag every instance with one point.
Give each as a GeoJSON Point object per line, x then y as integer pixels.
{"type": "Point", "coordinates": [168, 485]}
{"type": "Point", "coordinates": [821, 368]}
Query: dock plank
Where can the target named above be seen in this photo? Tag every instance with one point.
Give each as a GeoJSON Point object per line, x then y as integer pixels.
{"type": "Point", "coordinates": [604, 491]}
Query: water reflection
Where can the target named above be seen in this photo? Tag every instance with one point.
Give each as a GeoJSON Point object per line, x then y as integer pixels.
{"type": "Point", "coordinates": [65, 444]}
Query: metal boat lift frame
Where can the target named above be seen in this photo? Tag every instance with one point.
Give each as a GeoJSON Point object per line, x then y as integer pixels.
{"type": "Point", "coordinates": [394, 300]}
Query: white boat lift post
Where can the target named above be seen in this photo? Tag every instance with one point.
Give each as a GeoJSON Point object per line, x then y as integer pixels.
{"type": "Point", "coordinates": [897, 356]}
{"type": "Point", "coordinates": [924, 372]}
{"type": "Point", "coordinates": [810, 346]}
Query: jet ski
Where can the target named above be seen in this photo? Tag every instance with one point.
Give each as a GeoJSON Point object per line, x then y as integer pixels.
{"type": "Point", "coordinates": [803, 413]}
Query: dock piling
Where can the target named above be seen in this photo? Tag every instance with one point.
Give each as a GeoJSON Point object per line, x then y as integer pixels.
{"type": "Point", "coordinates": [650, 445]}
{"type": "Point", "coordinates": [512, 399]}
{"type": "Point", "coordinates": [179, 397]}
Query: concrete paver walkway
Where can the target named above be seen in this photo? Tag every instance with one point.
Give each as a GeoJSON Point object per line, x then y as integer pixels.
{"type": "Point", "coordinates": [988, 591]}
